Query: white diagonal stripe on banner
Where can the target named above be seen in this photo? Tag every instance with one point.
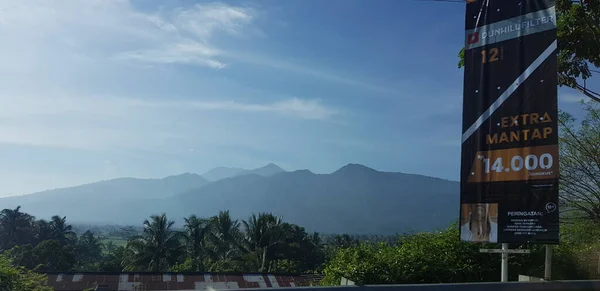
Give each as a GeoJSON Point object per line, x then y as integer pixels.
{"type": "Point", "coordinates": [511, 89]}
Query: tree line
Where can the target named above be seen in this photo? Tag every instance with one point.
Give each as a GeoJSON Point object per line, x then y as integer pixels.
{"type": "Point", "coordinates": [265, 243]}
{"type": "Point", "coordinates": [262, 243]}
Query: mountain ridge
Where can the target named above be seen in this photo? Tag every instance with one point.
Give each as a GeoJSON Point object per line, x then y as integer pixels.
{"type": "Point", "coordinates": [353, 199]}
{"type": "Point", "coordinates": [219, 173]}
{"type": "Point", "coordinates": [330, 203]}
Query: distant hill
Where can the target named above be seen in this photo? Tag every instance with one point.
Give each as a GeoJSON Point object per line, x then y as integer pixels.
{"type": "Point", "coordinates": [220, 173]}
{"type": "Point", "coordinates": [266, 171]}
{"type": "Point", "coordinates": [354, 199]}
{"type": "Point", "coordinates": [90, 201]}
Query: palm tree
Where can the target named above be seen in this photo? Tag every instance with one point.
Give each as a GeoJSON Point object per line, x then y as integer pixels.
{"type": "Point", "coordinates": [61, 231]}
{"type": "Point", "coordinates": [115, 258]}
{"type": "Point", "coordinates": [224, 235]}
{"type": "Point", "coordinates": [158, 247]}
{"type": "Point", "coordinates": [89, 248]}
{"type": "Point", "coordinates": [316, 240]}
{"type": "Point", "coordinates": [15, 227]}
{"type": "Point", "coordinates": [109, 246]}
{"type": "Point", "coordinates": [263, 232]}
{"type": "Point", "coordinates": [196, 230]}
{"type": "Point", "coordinates": [43, 231]}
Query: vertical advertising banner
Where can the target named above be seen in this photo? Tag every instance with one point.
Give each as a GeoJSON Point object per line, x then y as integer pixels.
{"type": "Point", "coordinates": [509, 161]}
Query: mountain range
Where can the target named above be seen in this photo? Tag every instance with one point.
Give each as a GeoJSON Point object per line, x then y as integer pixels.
{"type": "Point", "coordinates": [354, 199]}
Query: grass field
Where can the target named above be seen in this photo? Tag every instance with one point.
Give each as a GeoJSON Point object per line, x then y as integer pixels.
{"type": "Point", "coordinates": [116, 240]}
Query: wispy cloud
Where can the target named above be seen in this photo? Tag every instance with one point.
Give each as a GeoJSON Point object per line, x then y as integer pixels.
{"type": "Point", "coordinates": [183, 53]}
{"type": "Point", "coordinates": [203, 20]}
{"type": "Point", "coordinates": [100, 122]}
{"type": "Point", "coordinates": [189, 33]}
{"type": "Point", "coordinates": [294, 107]}
{"type": "Point", "coordinates": [110, 106]}
{"type": "Point", "coordinates": [301, 108]}
{"type": "Point", "coordinates": [170, 35]}
{"type": "Point", "coordinates": [99, 31]}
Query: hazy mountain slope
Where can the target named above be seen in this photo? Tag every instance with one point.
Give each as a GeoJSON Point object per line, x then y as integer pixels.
{"type": "Point", "coordinates": [354, 199]}
{"type": "Point", "coordinates": [98, 200]}
{"type": "Point", "coordinates": [220, 173]}
{"type": "Point", "coordinates": [266, 171]}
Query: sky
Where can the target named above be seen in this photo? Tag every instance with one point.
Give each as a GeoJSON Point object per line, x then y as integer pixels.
{"type": "Point", "coordinates": [97, 89]}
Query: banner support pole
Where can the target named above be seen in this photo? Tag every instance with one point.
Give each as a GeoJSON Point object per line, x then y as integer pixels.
{"type": "Point", "coordinates": [504, 261]}
{"type": "Point", "coordinates": [504, 266]}
{"type": "Point", "coordinates": [548, 263]}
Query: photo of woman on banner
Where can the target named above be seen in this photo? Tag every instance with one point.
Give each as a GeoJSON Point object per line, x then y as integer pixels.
{"type": "Point", "coordinates": [479, 223]}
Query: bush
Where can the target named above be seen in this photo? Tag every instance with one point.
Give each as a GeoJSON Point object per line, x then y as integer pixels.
{"type": "Point", "coordinates": [441, 257]}
{"type": "Point", "coordinates": [19, 279]}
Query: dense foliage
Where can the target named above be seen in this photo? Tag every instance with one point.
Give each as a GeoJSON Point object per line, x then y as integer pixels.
{"type": "Point", "coordinates": [580, 163]}
{"type": "Point", "coordinates": [441, 258]}
{"type": "Point", "coordinates": [263, 243]}
{"type": "Point", "coordinates": [20, 279]}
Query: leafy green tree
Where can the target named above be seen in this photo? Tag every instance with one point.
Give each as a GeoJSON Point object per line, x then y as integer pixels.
{"type": "Point", "coordinates": [580, 231]}
{"type": "Point", "coordinates": [581, 239]}
{"type": "Point", "coordinates": [578, 34]}
{"type": "Point", "coordinates": [15, 228]}
{"type": "Point", "coordinates": [366, 264]}
{"type": "Point", "coordinates": [158, 248]}
{"type": "Point", "coordinates": [579, 43]}
{"type": "Point", "coordinates": [340, 241]}
{"type": "Point", "coordinates": [51, 256]}
{"type": "Point", "coordinates": [22, 255]}
{"type": "Point", "coordinates": [580, 164]}
{"type": "Point", "coordinates": [114, 259]}
{"type": "Point", "coordinates": [186, 266]}
{"type": "Point", "coordinates": [20, 279]}
{"type": "Point", "coordinates": [283, 266]}
{"type": "Point", "coordinates": [298, 252]}
{"type": "Point", "coordinates": [233, 265]}
{"type": "Point", "coordinates": [317, 252]}
{"type": "Point", "coordinates": [196, 230]}
{"type": "Point", "coordinates": [439, 257]}
{"type": "Point", "coordinates": [421, 258]}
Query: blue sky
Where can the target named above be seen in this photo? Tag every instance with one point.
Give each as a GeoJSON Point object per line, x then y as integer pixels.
{"type": "Point", "coordinates": [99, 89]}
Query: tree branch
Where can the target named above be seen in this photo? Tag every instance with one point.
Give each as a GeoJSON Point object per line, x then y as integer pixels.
{"type": "Point", "coordinates": [587, 92]}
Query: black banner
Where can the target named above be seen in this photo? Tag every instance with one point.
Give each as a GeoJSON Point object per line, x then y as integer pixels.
{"type": "Point", "coordinates": [509, 169]}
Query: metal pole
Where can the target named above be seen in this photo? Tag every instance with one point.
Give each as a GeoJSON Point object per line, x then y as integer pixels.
{"type": "Point", "coordinates": [598, 263]}
{"type": "Point", "coordinates": [548, 263]}
{"type": "Point", "coordinates": [504, 267]}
